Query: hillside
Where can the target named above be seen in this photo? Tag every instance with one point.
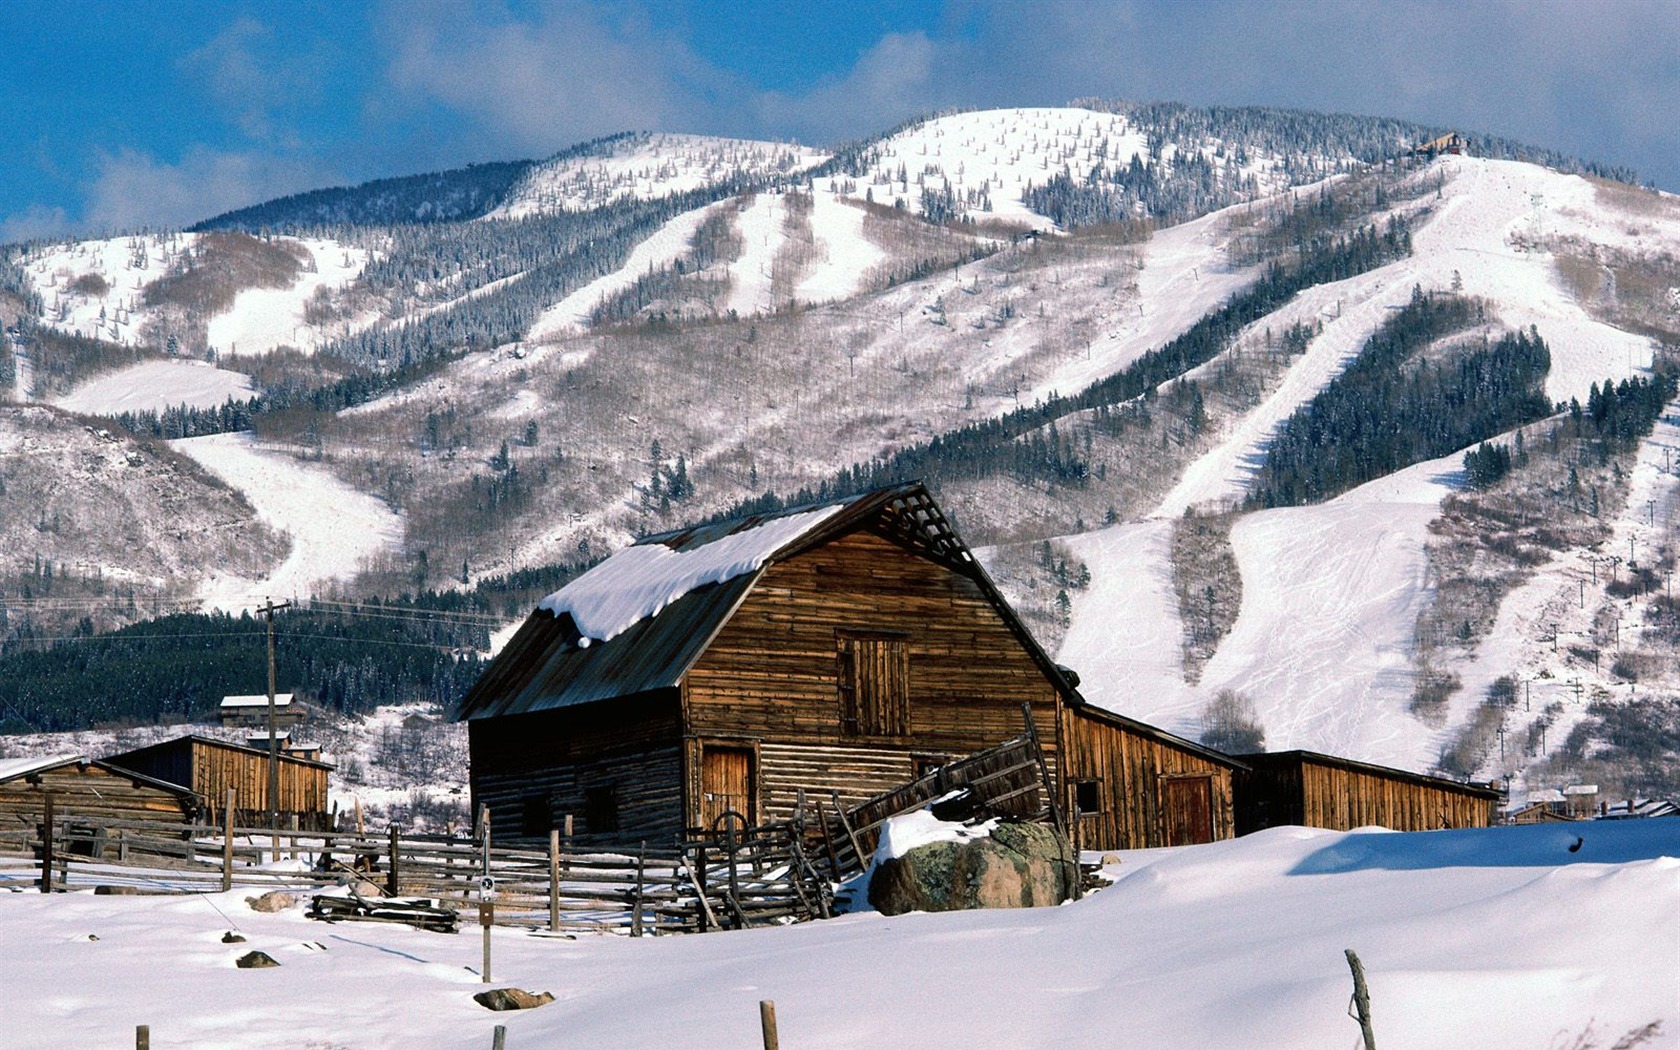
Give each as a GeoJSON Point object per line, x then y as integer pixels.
{"type": "Point", "coordinates": [1086, 327]}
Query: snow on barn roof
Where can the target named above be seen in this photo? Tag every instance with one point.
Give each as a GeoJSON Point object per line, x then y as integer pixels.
{"type": "Point", "coordinates": [12, 768]}
{"type": "Point", "coordinates": [637, 622]}
{"type": "Point", "coordinates": [259, 700]}
{"type": "Point", "coordinates": [641, 581]}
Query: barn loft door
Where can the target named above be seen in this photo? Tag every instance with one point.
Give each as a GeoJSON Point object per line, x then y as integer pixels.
{"type": "Point", "coordinates": [1187, 807]}
{"type": "Point", "coordinates": [874, 683]}
{"type": "Point", "coordinates": [726, 783]}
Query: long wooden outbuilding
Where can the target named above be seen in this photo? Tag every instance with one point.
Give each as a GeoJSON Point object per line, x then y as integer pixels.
{"type": "Point", "coordinates": [94, 791]}
{"type": "Point", "coordinates": [211, 767]}
{"type": "Point", "coordinates": [1323, 791]}
{"type": "Point", "coordinates": [847, 646]}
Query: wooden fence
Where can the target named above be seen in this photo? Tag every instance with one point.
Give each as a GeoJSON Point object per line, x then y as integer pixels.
{"type": "Point", "coordinates": [738, 877]}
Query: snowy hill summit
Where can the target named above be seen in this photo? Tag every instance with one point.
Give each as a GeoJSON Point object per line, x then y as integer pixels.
{"type": "Point", "coordinates": [1271, 425]}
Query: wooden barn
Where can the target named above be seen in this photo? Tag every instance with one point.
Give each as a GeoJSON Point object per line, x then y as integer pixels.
{"type": "Point", "coordinates": [1130, 785]}
{"type": "Point", "coordinates": [1321, 791]}
{"type": "Point", "coordinates": [210, 767]}
{"type": "Point", "coordinates": [98, 791]}
{"type": "Point", "coordinates": [847, 646]}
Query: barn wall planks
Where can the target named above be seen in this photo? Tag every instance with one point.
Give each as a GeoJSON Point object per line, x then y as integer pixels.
{"type": "Point", "coordinates": [212, 767]}
{"type": "Point", "coordinates": [776, 672]}
{"type": "Point", "coordinates": [621, 759]}
{"type": "Point", "coordinates": [1128, 768]}
{"type": "Point", "coordinates": [1324, 792]}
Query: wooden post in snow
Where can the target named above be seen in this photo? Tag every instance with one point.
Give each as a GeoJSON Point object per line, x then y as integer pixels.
{"type": "Point", "coordinates": [1361, 1000]}
{"type": "Point", "coordinates": [767, 1021]}
{"type": "Point", "coordinates": [227, 839]}
{"type": "Point", "coordinates": [498, 1038]}
{"type": "Point", "coordinates": [553, 878]}
{"type": "Point", "coordinates": [47, 842]}
{"type": "Point", "coordinates": [142, 1037]}
{"type": "Point", "coordinates": [393, 877]}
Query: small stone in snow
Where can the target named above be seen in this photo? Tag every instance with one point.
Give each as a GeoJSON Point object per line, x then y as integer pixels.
{"type": "Point", "coordinates": [255, 961]}
{"type": "Point", "coordinates": [232, 938]}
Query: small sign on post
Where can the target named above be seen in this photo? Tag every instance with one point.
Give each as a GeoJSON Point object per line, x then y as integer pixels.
{"type": "Point", "coordinates": [487, 915]}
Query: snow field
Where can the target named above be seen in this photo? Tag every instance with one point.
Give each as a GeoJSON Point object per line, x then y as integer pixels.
{"type": "Point", "coordinates": [333, 528]}
{"type": "Point", "coordinates": [760, 225]}
{"type": "Point", "coordinates": [125, 264]}
{"type": "Point", "coordinates": [262, 319]}
{"type": "Point", "coordinates": [844, 255]}
{"type": "Point", "coordinates": [1496, 938]}
{"type": "Point", "coordinates": [157, 385]}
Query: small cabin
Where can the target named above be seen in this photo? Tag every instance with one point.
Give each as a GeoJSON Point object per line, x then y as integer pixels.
{"type": "Point", "coordinates": [253, 710]}
{"type": "Point", "coordinates": [211, 767]}
{"type": "Point", "coordinates": [1321, 791]}
{"type": "Point", "coordinates": [847, 646]}
{"type": "Point", "coordinates": [1452, 142]}
{"type": "Point", "coordinates": [1581, 800]}
{"type": "Point", "coordinates": [97, 792]}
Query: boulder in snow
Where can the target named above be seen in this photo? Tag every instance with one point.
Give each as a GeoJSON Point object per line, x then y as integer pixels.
{"type": "Point", "coordinates": [512, 999]}
{"type": "Point", "coordinates": [1017, 866]}
{"type": "Point", "coordinates": [256, 961]}
{"type": "Point", "coordinates": [272, 901]}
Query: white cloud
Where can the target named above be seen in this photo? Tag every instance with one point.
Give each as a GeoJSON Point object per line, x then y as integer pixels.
{"type": "Point", "coordinates": [134, 189]}
{"type": "Point", "coordinates": [36, 221]}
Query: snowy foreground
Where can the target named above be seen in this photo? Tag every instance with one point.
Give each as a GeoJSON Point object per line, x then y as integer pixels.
{"type": "Point", "coordinates": [1471, 939]}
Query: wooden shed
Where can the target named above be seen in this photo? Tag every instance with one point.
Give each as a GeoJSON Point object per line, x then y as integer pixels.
{"type": "Point", "coordinates": [98, 791]}
{"type": "Point", "coordinates": [1321, 791]}
{"type": "Point", "coordinates": [252, 710]}
{"type": "Point", "coordinates": [1131, 785]}
{"type": "Point", "coordinates": [210, 767]}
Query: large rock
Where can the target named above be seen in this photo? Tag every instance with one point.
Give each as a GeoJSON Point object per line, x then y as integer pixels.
{"type": "Point", "coordinates": [255, 961]}
{"type": "Point", "coordinates": [512, 999]}
{"type": "Point", "coordinates": [272, 901]}
{"type": "Point", "coordinates": [1018, 866]}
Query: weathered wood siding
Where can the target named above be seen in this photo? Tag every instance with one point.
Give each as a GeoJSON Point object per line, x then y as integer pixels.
{"type": "Point", "coordinates": [1128, 769]}
{"type": "Point", "coordinates": [210, 768]}
{"type": "Point", "coordinates": [88, 791]}
{"type": "Point", "coordinates": [774, 673]}
{"type": "Point", "coordinates": [543, 766]}
{"type": "Point", "coordinates": [1295, 790]}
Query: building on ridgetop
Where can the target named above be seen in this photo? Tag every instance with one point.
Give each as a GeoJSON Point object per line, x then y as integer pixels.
{"type": "Point", "coordinates": [845, 646]}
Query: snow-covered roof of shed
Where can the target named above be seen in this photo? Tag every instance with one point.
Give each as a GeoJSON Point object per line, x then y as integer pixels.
{"type": "Point", "coordinates": [12, 768]}
{"type": "Point", "coordinates": [640, 581]}
{"type": "Point", "coordinates": [259, 700]}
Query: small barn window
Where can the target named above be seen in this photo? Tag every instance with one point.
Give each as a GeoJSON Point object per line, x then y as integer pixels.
{"type": "Point", "coordinates": [874, 681]}
{"type": "Point", "coordinates": [1087, 795]}
{"type": "Point", "coordinates": [600, 808]}
{"type": "Point", "coordinates": [536, 815]}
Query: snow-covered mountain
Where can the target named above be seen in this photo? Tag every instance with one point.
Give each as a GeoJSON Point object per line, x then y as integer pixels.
{"type": "Point", "coordinates": [529, 383]}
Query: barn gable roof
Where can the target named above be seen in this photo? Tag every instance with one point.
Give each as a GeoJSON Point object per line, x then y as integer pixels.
{"type": "Point", "coordinates": [1160, 736]}
{"type": "Point", "coordinates": [188, 739]}
{"type": "Point", "coordinates": [638, 621]}
{"type": "Point", "coordinates": [18, 768]}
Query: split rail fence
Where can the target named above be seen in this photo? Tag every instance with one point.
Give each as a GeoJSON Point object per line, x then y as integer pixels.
{"type": "Point", "coordinates": [733, 877]}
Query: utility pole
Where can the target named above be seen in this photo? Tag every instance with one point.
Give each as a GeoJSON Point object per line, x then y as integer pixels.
{"type": "Point", "coordinates": [273, 738]}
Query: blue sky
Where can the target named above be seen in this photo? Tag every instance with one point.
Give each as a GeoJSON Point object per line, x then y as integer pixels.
{"type": "Point", "coordinates": [121, 114]}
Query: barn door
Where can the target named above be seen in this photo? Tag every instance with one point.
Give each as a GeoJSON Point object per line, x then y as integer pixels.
{"type": "Point", "coordinates": [726, 783]}
{"type": "Point", "coordinates": [1187, 807]}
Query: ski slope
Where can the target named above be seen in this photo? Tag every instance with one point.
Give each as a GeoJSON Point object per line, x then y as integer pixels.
{"type": "Point", "coordinates": [263, 319]}
{"type": "Point", "coordinates": [1470, 939]}
{"type": "Point", "coordinates": [1331, 593]}
{"type": "Point", "coordinates": [152, 386]}
{"type": "Point", "coordinates": [333, 528]}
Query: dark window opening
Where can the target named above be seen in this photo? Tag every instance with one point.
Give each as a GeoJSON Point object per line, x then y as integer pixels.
{"type": "Point", "coordinates": [874, 683]}
{"type": "Point", "coordinates": [1087, 795]}
{"type": "Point", "coordinates": [536, 815]}
{"type": "Point", "coordinates": [600, 809]}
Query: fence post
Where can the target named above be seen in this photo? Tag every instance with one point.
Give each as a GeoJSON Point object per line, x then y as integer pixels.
{"type": "Point", "coordinates": [393, 878]}
{"type": "Point", "coordinates": [498, 1038]}
{"type": "Point", "coordinates": [553, 878]}
{"type": "Point", "coordinates": [636, 906]}
{"type": "Point", "coordinates": [767, 1021]}
{"type": "Point", "coordinates": [47, 842]}
{"type": "Point", "coordinates": [1361, 1000]}
{"type": "Point", "coordinates": [142, 1037]}
{"type": "Point", "coordinates": [227, 840]}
